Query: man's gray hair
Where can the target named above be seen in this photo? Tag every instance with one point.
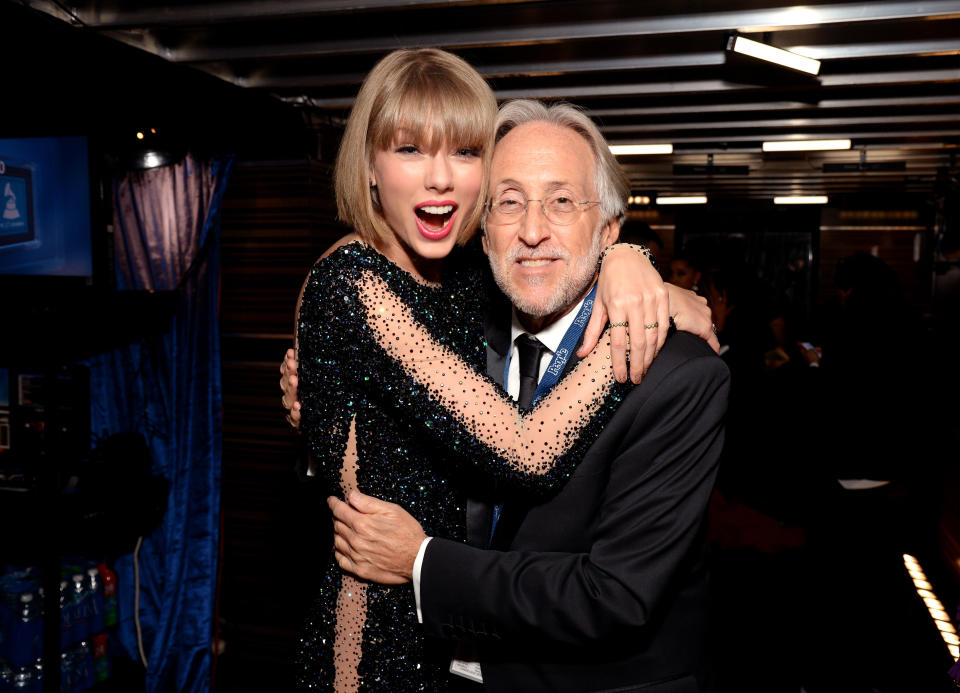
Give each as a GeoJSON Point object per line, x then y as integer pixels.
{"type": "Point", "coordinates": [611, 182]}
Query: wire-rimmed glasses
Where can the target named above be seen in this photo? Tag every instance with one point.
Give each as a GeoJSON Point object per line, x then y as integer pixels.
{"type": "Point", "coordinates": [509, 207]}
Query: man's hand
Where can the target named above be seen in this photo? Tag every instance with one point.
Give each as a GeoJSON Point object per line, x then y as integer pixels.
{"type": "Point", "coordinates": [288, 383]}
{"type": "Point", "coordinates": [375, 540]}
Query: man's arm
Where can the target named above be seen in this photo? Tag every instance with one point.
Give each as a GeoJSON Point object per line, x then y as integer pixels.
{"type": "Point", "coordinates": [288, 384]}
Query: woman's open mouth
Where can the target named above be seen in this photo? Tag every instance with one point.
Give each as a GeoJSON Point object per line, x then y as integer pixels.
{"type": "Point", "coordinates": [435, 221]}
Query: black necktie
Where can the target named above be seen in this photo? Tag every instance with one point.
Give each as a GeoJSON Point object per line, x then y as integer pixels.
{"type": "Point", "coordinates": [531, 350]}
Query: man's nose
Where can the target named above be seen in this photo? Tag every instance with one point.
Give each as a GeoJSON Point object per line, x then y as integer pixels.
{"type": "Point", "coordinates": [534, 227]}
{"type": "Point", "coordinates": [439, 173]}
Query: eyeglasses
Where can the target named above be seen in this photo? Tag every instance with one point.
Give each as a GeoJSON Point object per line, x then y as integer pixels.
{"type": "Point", "coordinates": [510, 206]}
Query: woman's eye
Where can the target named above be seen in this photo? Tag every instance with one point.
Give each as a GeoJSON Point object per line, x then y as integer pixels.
{"type": "Point", "coordinates": [468, 152]}
{"type": "Point", "coordinates": [407, 149]}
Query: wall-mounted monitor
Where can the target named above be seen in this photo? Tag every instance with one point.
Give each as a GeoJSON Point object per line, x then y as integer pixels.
{"type": "Point", "coordinates": [45, 222]}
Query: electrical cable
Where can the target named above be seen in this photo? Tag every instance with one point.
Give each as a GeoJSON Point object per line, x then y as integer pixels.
{"type": "Point", "coordinates": [136, 599]}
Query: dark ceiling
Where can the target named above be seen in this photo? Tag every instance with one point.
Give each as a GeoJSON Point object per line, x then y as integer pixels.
{"type": "Point", "coordinates": [651, 71]}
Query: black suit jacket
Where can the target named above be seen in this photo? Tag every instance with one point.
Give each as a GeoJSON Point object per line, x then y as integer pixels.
{"type": "Point", "coordinates": [602, 586]}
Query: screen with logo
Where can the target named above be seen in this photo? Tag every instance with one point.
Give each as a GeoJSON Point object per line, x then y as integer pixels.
{"type": "Point", "coordinates": [45, 226]}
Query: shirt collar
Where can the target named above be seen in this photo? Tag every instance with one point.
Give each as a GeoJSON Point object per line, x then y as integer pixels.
{"type": "Point", "coordinates": [550, 336]}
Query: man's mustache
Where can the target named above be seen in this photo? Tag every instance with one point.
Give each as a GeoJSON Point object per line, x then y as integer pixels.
{"type": "Point", "coordinates": [520, 252]}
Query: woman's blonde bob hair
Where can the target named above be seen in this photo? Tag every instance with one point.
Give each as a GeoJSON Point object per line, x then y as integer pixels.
{"type": "Point", "coordinates": [435, 98]}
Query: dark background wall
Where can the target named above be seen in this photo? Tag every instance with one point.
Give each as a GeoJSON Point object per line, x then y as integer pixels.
{"type": "Point", "coordinates": [277, 219]}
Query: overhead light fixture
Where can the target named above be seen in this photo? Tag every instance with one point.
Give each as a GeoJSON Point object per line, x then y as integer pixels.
{"type": "Point", "coordinates": [709, 169]}
{"type": "Point", "coordinates": [682, 200]}
{"type": "Point", "coordinates": [149, 150]}
{"type": "Point", "coordinates": [805, 145]}
{"type": "Point", "coordinates": [801, 200]}
{"type": "Point", "coordinates": [638, 200]}
{"type": "Point", "coordinates": [771, 54]}
{"type": "Point", "coordinates": [634, 149]}
{"type": "Point", "coordinates": [863, 165]}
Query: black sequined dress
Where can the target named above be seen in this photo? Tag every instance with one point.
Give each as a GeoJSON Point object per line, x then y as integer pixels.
{"type": "Point", "coordinates": [394, 400]}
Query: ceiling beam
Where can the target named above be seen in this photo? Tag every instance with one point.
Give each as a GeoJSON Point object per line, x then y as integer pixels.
{"type": "Point", "coordinates": [878, 49]}
{"type": "Point", "coordinates": [896, 135]}
{"type": "Point", "coordinates": [580, 91]}
{"type": "Point", "coordinates": [265, 80]}
{"type": "Point", "coordinates": [788, 123]}
{"type": "Point", "coordinates": [525, 69]}
{"type": "Point", "coordinates": [746, 21]}
{"type": "Point", "coordinates": [777, 106]}
{"type": "Point", "coordinates": [191, 14]}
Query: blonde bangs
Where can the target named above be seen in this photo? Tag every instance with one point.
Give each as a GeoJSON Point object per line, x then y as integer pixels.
{"type": "Point", "coordinates": [433, 110]}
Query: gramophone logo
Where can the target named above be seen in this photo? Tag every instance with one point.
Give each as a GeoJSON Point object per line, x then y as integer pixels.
{"type": "Point", "coordinates": [16, 204]}
{"type": "Point", "coordinates": [10, 210]}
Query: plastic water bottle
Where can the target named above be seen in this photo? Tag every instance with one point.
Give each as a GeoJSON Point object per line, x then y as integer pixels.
{"type": "Point", "coordinates": [27, 640]}
{"type": "Point", "coordinates": [86, 678]}
{"type": "Point", "coordinates": [66, 616]}
{"type": "Point", "coordinates": [81, 609]}
{"type": "Point", "coordinates": [23, 680]}
{"type": "Point", "coordinates": [94, 588]}
{"type": "Point", "coordinates": [6, 677]}
{"type": "Point", "coordinates": [38, 675]}
{"type": "Point", "coordinates": [101, 662]}
{"type": "Point", "coordinates": [68, 679]}
{"type": "Point", "coordinates": [109, 579]}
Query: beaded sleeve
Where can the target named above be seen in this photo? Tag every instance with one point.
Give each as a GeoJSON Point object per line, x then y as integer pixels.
{"type": "Point", "coordinates": [395, 360]}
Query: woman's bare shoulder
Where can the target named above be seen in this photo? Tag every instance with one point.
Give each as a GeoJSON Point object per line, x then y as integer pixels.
{"type": "Point", "coordinates": [352, 237]}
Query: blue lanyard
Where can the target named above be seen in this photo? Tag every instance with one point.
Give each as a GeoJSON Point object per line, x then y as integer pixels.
{"type": "Point", "coordinates": [553, 372]}
{"type": "Point", "coordinates": [564, 350]}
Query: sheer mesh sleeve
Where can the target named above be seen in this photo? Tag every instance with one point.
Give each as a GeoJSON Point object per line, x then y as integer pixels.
{"type": "Point", "coordinates": [474, 416]}
{"type": "Point", "coordinates": [328, 398]}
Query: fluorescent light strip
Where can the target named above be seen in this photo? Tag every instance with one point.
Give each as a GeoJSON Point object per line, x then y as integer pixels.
{"type": "Point", "coordinates": [763, 51]}
{"type": "Point", "coordinates": [801, 200]}
{"type": "Point", "coordinates": [805, 145]}
{"type": "Point", "coordinates": [940, 619]}
{"type": "Point", "coordinates": [632, 149]}
{"type": "Point", "coordinates": [682, 200]}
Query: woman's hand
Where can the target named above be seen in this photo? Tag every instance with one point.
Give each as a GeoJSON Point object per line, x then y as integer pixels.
{"type": "Point", "coordinates": [631, 291]}
{"type": "Point", "coordinates": [691, 313]}
{"type": "Point", "coordinates": [631, 297]}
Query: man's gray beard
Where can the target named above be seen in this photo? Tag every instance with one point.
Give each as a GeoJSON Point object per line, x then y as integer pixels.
{"type": "Point", "coordinates": [572, 285]}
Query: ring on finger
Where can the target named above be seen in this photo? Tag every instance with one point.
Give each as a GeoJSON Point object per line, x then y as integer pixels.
{"type": "Point", "coordinates": [622, 323]}
{"type": "Point", "coordinates": [652, 325]}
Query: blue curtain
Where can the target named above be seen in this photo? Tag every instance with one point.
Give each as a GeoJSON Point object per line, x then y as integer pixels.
{"type": "Point", "coordinates": [166, 238]}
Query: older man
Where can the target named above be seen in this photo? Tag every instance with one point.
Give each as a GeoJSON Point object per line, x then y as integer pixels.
{"type": "Point", "coordinates": [602, 586]}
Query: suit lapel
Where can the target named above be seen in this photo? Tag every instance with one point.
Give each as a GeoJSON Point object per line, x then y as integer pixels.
{"type": "Point", "coordinates": [496, 333]}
